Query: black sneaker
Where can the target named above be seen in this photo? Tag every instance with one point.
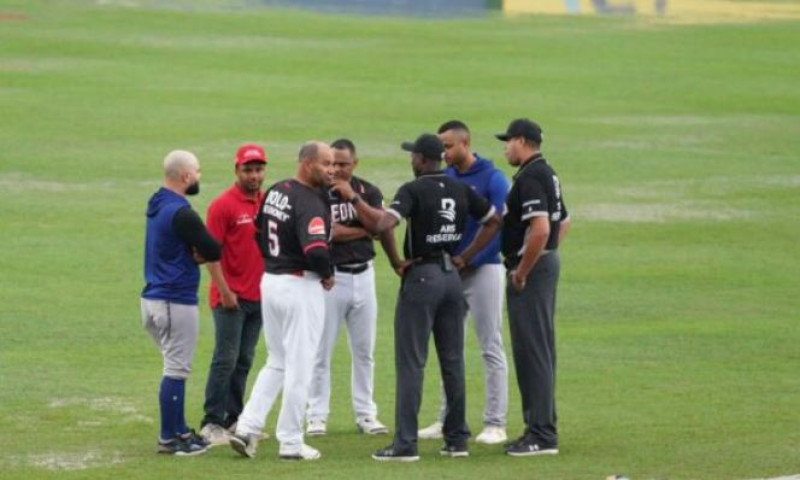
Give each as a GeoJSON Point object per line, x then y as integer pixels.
{"type": "Point", "coordinates": [527, 446]}
{"type": "Point", "coordinates": [180, 448]}
{"type": "Point", "coordinates": [389, 454]}
{"type": "Point", "coordinates": [192, 437]}
{"type": "Point", "coordinates": [454, 451]}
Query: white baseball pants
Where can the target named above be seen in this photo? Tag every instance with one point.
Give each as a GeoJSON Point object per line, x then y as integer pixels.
{"type": "Point", "coordinates": [293, 310]}
{"type": "Point", "coordinates": [353, 302]}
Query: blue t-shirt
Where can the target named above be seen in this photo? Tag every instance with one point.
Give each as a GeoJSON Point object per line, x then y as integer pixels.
{"type": "Point", "coordinates": [490, 183]}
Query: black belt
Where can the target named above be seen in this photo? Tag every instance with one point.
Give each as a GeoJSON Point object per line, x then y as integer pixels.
{"type": "Point", "coordinates": [353, 269]}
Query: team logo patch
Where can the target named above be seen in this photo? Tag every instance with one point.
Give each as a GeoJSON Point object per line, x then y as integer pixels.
{"type": "Point", "coordinates": [316, 226]}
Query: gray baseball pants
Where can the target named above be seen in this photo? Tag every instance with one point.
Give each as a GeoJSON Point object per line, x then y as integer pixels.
{"type": "Point", "coordinates": [173, 326]}
{"type": "Point", "coordinates": [483, 289]}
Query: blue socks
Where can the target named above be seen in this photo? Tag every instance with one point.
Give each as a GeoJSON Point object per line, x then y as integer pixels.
{"type": "Point", "coordinates": [170, 398]}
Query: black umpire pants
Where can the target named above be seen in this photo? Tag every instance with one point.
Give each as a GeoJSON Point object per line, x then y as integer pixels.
{"type": "Point", "coordinates": [530, 318]}
{"type": "Point", "coordinates": [430, 300]}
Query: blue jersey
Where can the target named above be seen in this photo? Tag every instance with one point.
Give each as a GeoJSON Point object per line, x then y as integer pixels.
{"type": "Point", "coordinates": [170, 272]}
{"type": "Point", "coordinates": [490, 183]}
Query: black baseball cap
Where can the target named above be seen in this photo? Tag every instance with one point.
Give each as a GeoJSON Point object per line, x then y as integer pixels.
{"type": "Point", "coordinates": [522, 127]}
{"type": "Point", "coordinates": [427, 145]}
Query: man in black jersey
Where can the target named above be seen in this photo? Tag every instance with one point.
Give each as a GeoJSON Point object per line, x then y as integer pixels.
{"type": "Point", "coordinates": [431, 297]}
{"type": "Point", "coordinates": [536, 221]}
{"type": "Point", "coordinates": [294, 228]}
{"type": "Point", "coordinates": [352, 302]}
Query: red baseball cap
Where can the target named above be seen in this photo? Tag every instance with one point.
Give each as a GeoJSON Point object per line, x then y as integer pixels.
{"type": "Point", "coordinates": [250, 152]}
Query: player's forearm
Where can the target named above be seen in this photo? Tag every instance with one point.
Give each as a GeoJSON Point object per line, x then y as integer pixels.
{"type": "Point", "coordinates": [563, 229]}
{"type": "Point", "coordinates": [215, 270]}
{"type": "Point", "coordinates": [390, 247]}
{"type": "Point", "coordinates": [374, 220]}
{"type": "Point", "coordinates": [535, 242]}
{"type": "Point", "coordinates": [342, 233]}
{"type": "Point", "coordinates": [482, 238]}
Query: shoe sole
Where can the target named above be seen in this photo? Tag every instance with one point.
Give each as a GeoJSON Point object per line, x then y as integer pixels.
{"type": "Point", "coordinates": [316, 433]}
{"type": "Point", "coordinates": [378, 431]}
{"type": "Point", "coordinates": [240, 447]}
{"type": "Point", "coordinates": [396, 459]}
{"type": "Point", "coordinates": [454, 454]}
{"type": "Point", "coordinates": [533, 454]}
{"type": "Point", "coordinates": [297, 458]}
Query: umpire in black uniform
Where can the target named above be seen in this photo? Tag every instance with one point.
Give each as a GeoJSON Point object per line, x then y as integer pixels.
{"type": "Point", "coordinates": [430, 298]}
{"type": "Point", "coordinates": [536, 221]}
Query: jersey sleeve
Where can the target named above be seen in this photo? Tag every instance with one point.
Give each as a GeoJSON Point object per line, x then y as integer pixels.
{"type": "Point", "coordinates": [189, 228]}
{"type": "Point", "coordinates": [478, 207]}
{"type": "Point", "coordinates": [312, 226]}
{"type": "Point", "coordinates": [373, 196]}
{"type": "Point", "coordinates": [498, 190]}
{"type": "Point", "coordinates": [532, 199]}
{"type": "Point", "coordinates": [403, 203]}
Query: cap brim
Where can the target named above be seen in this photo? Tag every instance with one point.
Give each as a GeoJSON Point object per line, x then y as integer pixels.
{"type": "Point", "coordinates": [407, 146]}
{"type": "Point", "coordinates": [252, 160]}
{"type": "Point", "coordinates": [503, 137]}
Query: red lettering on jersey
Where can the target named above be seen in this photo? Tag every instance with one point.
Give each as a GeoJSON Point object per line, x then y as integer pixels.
{"type": "Point", "coordinates": [316, 226]}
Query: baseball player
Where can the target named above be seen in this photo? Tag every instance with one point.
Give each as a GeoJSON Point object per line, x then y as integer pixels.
{"type": "Point", "coordinates": [176, 241]}
{"type": "Point", "coordinates": [430, 298]}
{"type": "Point", "coordinates": [351, 301]}
{"type": "Point", "coordinates": [294, 228]}
{"type": "Point", "coordinates": [236, 300]}
{"type": "Point", "coordinates": [483, 281]}
{"type": "Point", "coordinates": [534, 226]}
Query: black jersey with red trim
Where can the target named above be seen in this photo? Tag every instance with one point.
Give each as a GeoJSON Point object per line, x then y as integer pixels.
{"type": "Point", "coordinates": [343, 212]}
{"type": "Point", "coordinates": [436, 207]}
{"type": "Point", "coordinates": [292, 220]}
{"type": "Point", "coordinates": [535, 192]}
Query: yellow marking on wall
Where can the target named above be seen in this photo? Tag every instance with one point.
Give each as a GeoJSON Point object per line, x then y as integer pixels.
{"type": "Point", "coordinates": [681, 11]}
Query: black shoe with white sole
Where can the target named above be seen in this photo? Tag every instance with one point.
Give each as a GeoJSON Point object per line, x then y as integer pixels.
{"type": "Point", "coordinates": [527, 446]}
{"type": "Point", "coordinates": [454, 451]}
{"type": "Point", "coordinates": [389, 454]}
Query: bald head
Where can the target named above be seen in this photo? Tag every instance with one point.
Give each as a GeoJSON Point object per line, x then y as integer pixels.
{"type": "Point", "coordinates": [315, 163]}
{"type": "Point", "coordinates": [178, 162]}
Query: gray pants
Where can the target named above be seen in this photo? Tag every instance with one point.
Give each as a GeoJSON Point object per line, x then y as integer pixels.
{"type": "Point", "coordinates": [483, 290]}
{"type": "Point", "coordinates": [430, 300]}
{"type": "Point", "coordinates": [173, 326]}
{"type": "Point", "coordinates": [530, 317]}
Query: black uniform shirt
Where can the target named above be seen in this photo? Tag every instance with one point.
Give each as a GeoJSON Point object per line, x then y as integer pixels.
{"type": "Point", "coordinates": [436, 207]}
{"type": "Point", "coordinates": [344, 213]}
{"type": "Point", "coordinates": [535, 192]}
{"type": "Point", "coordinates": [292, 220]}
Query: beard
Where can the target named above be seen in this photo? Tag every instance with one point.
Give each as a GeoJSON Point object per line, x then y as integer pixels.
{"type": "Point", "coordinates": [193, 189]}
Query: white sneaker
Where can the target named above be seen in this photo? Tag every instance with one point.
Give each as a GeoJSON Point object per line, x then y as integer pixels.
{"type": "Point", "coordinates": [492, 435]}
{"type": "Point", "coordinates": [431, 432]}
{"type": "Point", "coordinates": [215, 434]}
{"type": "Point", "coordinates": [304, 453]}
{"type": "Point", "coordinates": [316, 428]}
{"type": "Point", "coordinates": [371, 426]}
{"type": "Point", "coordinates": [245, 445]}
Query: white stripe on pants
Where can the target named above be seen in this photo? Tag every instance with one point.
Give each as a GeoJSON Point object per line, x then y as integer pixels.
{"type": "Point", "coordinates": [293, 310]}
{"type": "Point", "coordinates": [351, 301]}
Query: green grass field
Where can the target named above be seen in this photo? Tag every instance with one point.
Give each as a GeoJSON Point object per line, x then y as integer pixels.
{"type": "Point", "coordinates": [677, 147]}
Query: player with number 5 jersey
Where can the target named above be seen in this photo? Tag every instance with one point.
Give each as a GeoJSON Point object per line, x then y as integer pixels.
{"type": "Point", "coordinates": [294, 228]}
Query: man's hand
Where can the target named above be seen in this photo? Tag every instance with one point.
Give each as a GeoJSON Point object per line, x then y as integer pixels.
{"type": "Point", "coordinates": [401, 267]}
{"type": "Point", "coordinates": [327, 283]}
{"type": "Point", "coordinates": [343, 189]}
{"type": "Point", "coordinates": [459, 262]}
{"type": "Point", "coordinates": [517, 281]}
{"type": "Point", "coordinates": [229, 300]}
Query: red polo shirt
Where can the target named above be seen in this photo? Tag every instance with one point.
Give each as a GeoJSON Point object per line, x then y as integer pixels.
{"type": "Point", "coordinates": [231, 220]}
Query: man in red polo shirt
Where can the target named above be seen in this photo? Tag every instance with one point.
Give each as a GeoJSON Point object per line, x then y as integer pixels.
{"type": "Point", "coordinates": [235, 301]}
